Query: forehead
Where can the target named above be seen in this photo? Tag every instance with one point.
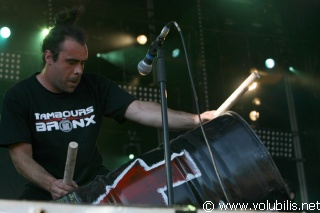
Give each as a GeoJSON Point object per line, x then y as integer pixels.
{"type": "Point", "coordinates": [72, 49]}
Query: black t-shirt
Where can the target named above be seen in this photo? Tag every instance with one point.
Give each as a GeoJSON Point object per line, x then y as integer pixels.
{"type": "Point", "coordinates": [50, 121]}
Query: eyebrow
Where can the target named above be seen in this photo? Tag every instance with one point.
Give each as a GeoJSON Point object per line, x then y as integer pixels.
{"type": "Point", "coordinates": [76, 60]}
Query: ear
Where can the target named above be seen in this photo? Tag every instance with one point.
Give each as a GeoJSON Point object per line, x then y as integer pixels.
{"type": "Point", "coordinates": [48, 57]}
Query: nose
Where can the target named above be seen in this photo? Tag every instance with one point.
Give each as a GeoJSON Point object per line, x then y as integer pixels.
{"type": "Point", "coordinates": [79, 69]}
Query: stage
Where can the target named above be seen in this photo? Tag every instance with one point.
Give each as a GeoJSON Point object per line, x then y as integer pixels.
{"type": "Point", "coordinates": [11, 206]}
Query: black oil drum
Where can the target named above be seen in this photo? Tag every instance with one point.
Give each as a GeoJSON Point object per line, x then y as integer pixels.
{"type": "Point", "coordinates": [247, 172]}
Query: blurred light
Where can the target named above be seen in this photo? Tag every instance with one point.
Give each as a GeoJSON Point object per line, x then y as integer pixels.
{"type": "Point", "coordinates": [118, 41]}
{"type": "Point", "coordinates": [270, 63]}
{"type": "Point", "coordinates": [142, 39]}
{"type": "Point", "coordinates": [253, 86]}
{"type": "Point", "coordinates": [45, 32]}
{"type": "Point", "coordinates": [175, 53]}
{"type": "Point", "coordinates": [131, 150]}
{"type": "Point", "coordinates": [292, 69]}
{"type": "Point", "coordinates": [254, 115]}
{"type": "Point", "coordinates": [115, 57]}
{"type": "Point", "coordinates": [189, 208]}
{"type": "Point", "coordinates": [5, 32]}
{"type": "Point", "coordinates": [124, 58]}
{"type": "Point", "coordinates": [256, 101]}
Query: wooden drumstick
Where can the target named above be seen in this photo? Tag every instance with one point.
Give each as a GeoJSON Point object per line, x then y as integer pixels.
{"type": "Point", "coordinates": [70, 162]}
{"type": "Point", "coordinates": [233, 98]}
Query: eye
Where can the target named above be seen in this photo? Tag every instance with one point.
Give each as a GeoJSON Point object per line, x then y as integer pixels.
{"type": "Point", "coordinates": [72, 62]}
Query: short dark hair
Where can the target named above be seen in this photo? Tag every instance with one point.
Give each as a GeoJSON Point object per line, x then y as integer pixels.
{"type": "Point", "coordinates": [64, 27]}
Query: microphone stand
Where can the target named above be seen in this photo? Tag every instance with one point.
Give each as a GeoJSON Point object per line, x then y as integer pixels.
{"type": "Point", "coordinates": [167, 153]}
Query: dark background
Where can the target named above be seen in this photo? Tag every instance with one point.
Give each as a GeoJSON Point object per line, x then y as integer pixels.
{"type": "Point", "coordinates": [224, 39]}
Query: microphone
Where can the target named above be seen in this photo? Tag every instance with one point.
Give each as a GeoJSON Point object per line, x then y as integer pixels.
{"type": "Point", "coordinates": [145, 65]}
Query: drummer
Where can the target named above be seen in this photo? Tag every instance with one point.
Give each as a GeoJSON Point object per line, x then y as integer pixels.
{"type": "Point", "coordinates": [43, 113]}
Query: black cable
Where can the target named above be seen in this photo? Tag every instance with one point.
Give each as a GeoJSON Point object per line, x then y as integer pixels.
{"type": "Point", "coordinates": [198, 112]}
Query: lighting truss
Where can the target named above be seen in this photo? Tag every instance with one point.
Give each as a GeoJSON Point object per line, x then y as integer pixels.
{"type": "Point", "coordinates": [143, 93]}
{"type": "Point", "coordinates": [10, 66]}
{"type": "Point", "coordinates": [278, 143]}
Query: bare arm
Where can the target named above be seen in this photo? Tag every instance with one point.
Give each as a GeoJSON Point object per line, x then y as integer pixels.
{"type": "Point", "coordinates": [21, 155]}
{"type": "Point", "coordinates": [149, 113]}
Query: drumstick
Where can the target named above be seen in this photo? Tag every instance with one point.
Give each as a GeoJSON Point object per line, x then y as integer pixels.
{"type": "Point", "coordinates": [233, 98]}
{"type": "Point", "coordinates": [70, 162]}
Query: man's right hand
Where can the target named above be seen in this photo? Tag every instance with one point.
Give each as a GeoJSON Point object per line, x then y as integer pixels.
{"type": "Point", "coordinates": [57, 188]}
{"type": "Point", "coordinates": [21, 155]}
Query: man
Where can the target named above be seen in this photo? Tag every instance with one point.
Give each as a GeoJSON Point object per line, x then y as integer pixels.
{"type": "Point", "coordinates": [45, 112]}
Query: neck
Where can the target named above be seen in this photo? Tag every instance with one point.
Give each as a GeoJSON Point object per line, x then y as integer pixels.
{"type": "Point", "coordinates": [41, 77]}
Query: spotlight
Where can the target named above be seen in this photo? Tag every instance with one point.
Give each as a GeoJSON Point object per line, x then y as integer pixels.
{"type": "Point", "coordinates": [142, 39]}
{"type": "Point", "coordinates": [175, 53]}
{"type": "Point", "coordinates": [270, 63]}
{"type": "Point", "coordinates": [10, 66]}
{"type": "Point", "coordinates": [256, 101]}
{"type": "Point", "coordinates": [132, 150]}
{"type": "Point", "coordinates": [254, 115]}
{"type": "Point", "coordinates": [45, 32]}
{"type": "Point", "coordinates": [5, 32]}
{"type": "Point", "coordinates": [293, 70]}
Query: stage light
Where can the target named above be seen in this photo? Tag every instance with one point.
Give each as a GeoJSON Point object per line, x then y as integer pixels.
{"type": "Point", "coordinates": [45, 32]}
{"type": "Point", "coordinates": [175, 53]}
{"type": "Point", "coordinates": [270, 63]}
{"type": "Point", "coordinates": [256, 101]}
{"type": "Point", "coordinates": [254, 115]}
{"type": "Point", "coordinates": [142, 39]}
{"type": "Point", "coordinates": [125, 57]}
{"type": "Point", "coordinates": [293, 70]}
{"type": "Point", "coordinates": [5, 32]}
{"type": "Point", "coordinates": [278, 143]}
{"type": "Point", "coordinates": [10, 66]}
{"type": "Point", "coordinates": [144, 93]}
{"type": "Point", "coordinates": [131, 150]}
